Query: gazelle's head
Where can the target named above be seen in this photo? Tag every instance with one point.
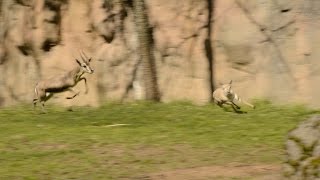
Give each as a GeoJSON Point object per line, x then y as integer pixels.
{"type": "Point", "coordinates": [85, 63]}
{"type": "Point", "coordinates": [227, 87]}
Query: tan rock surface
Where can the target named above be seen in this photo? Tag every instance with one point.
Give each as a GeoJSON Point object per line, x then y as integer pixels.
{"type": "Point", "coordinates": [268, 48]}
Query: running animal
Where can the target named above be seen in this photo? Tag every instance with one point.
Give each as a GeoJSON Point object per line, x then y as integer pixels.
{"type": "Point", "coordinates": [45, 89]}
{"type": "Point", "coordinates": [225, 95]}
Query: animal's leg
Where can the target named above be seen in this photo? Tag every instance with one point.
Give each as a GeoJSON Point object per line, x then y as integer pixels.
{"type": "Point", "coordinates": [243, 101]}
{"type": "Point", "coordinates": [39, 97]}
{"type": "Point", "coordinates": [34, 103]}
{"type": "Point", "coordinates": [246, 103]}
{"type": "Point", "coordinates": [71, 97]}
{"type": "Point", "coordinates": [219, 103]}
{"type": "Point", "coordinates": [235, 105]}
{"type": "Point", "coordinates": [35, 98]}
{"type": "Point", "coordinates": [252, 106]}
{"type": "Point", "coordinates": [234, 108]}
{"type": "Point", "coordinates": [75, 94]}
{"type": "Point", "coordinates": [42, 97]}
{"type": "Point", "coordinates": [42, 107]}
{"type": "Point", "coordinates": [85, 83]}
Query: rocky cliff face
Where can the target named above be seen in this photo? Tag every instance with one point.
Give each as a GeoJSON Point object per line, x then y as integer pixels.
{"type": "Point", "coordinates": [268, 48]}
{"type": "Point", "coordinates": [303, 151]}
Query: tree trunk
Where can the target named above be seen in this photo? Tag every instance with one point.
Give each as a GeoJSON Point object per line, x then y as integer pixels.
{"type": "Point", "coordinates": [146, 50]}
{"type": "Point", "coordinates": [208, 45]}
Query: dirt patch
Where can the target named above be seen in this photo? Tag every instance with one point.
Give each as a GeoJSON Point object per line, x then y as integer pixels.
{"type": "Point", "coordinates": [261, 172]}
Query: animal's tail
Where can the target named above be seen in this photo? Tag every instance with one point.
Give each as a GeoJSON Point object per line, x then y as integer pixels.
{"type": "Point", "coordinates": [243, 101]}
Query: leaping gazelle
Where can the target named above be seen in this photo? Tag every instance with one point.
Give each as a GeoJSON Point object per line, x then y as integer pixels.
{"type": "Point", "coordinates": [45, 89]}
{"type": "Point", "coordinates": [225, 95]}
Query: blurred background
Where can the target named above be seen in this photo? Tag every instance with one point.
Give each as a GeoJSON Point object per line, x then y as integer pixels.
{"type": "Point", "coordinates": [163, 50]}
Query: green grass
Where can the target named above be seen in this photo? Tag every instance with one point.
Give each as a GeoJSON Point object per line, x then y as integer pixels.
{"type": "Point", "coordinates": [159, 137]}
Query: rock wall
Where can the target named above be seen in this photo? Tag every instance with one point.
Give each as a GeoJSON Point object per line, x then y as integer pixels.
{"type": "Point", "coordinates": [268, 48]}
{"type": "Point", "coordinates": [303, 151]}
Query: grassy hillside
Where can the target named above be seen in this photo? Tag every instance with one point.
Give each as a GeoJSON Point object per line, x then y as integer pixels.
{"type": "Point", "coordinates": [157, 137]}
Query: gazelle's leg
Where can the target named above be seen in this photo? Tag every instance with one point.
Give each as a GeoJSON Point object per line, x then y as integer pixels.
{"type": "Point", "coordinates": [252, 106]}
{"type": "Point", "coordinates": [236, 97]}
{"type": "Point", "coordinates": [244, 102]}
{"type": "Point", "coordinates": [73, 96]}
{"type": "Point", "coordinates": [217, 102]}
{"type": "Point", "coordinates": [40, 97]}
{"type": "Point", "coordinates": [34, 101]}
{"type": "Point", "coordinates": [42, 107]}
{"type": "Point", "coordinates": [35, 98]}
{"type": "Point", "coordinates": [85, 83]}
{"type": "Point", "coordinates": [235, 105]}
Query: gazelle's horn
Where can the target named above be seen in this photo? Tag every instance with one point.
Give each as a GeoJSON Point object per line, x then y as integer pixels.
{"type": "Point", "coordinates": [85, 57]}
{"type": "Point", "coordinates": [82, 57]}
